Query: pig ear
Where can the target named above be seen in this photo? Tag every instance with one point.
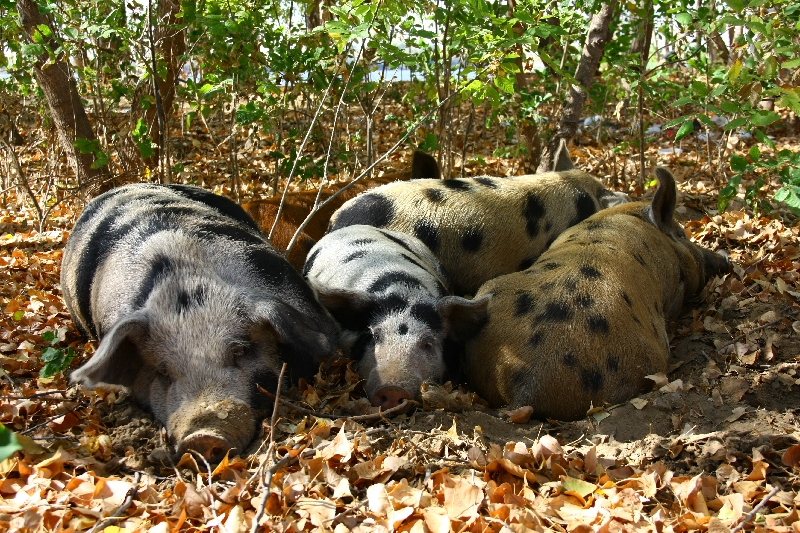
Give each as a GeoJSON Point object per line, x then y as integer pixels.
{"type": "Point", "coordinates": [464, 318]}
{"type": "Point", "coordinates": [663, 206]}
{"type": "Point", "coordinates": [117, 360]}
{"type": "Point", "coordinates": [424, 166]}
{"type": "Point", "coordinates": [351, 308]}
{"type": "Point", "coordinates": [611, 198]}
{"type": "Point", "coordinates": [307, 337]}
{"type": "Point", "coordinates": [561, 160]}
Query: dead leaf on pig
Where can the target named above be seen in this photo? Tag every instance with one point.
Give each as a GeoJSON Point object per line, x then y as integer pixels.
{"type": "Point", "coordinates": [659, 379]}
{"type": "Point", "coordinates": [519, 416]}
{"type": "Point", "coordinates": [791, 457]}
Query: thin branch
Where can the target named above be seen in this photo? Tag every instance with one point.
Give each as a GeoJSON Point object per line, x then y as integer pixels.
{"type": "Point", "coordinates": [35, 395]}
{"type": "Point", "coordinates": [757, 508]}
{"type": "Point", "coordinates": [21, 181]}
{"type": "Point", "coordinates": [100, 526]}
{"type": "Point", "coordinates": [356, 418]}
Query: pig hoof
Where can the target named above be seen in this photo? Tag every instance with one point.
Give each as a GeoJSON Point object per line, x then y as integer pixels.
{"type": "Point", "coordinates": [212, 447]}
{"type": "Point", "coordinates": [389, 397]}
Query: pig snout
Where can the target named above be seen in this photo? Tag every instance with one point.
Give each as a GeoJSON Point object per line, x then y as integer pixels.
{"type": "Point", "coordinates": [391, 396]}
{"type": "Point", "coordinates": [212, 428]}
{"type": "Point", "coordinates": [211, 446]}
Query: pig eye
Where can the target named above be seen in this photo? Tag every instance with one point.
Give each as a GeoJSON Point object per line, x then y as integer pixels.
{"type": "Point", "coordinates": [374, 335]}
{"type": "Point", "coordinates": [163, 372]}
{"type": "Point", "coordinates": [238, 352]}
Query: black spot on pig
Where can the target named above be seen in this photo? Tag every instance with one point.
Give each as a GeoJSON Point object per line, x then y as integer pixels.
{"type": "Point", "coordinates": [592, 380]}
{"type": "Point", "coordinates": [310, 262]}
{"type": "Point", "coordinates": [360, 242]}
{"type": "Point", "coordinates": [584, 301]}
{"type": "Point", "coordinates": [472, 239]}
{"type": "Point", "coordinates": [411, 260]}
{"type": "Point", "coordinates": [527, 263]}
{"type": "Point", "coordinates": [598, 325]}
{"type": "Point", "coordinates": [434, 195]}
{"type": "Point", "coordinates": [627, 299]}
{"type": "Point", "coordinates": [372, 209]}
{"type": "Point", "coordinates": [570, 284]}
{"type": "Point", "coordinates": [355, 255]}
{"type": "Point", "coordinates": [551, 266]}
{"type": "Point", "coordinates": [589, 272]}
{"type": "Point", "coordinates": [584, 207]}
{"type": "Point", "coordinates": [403, 329]}
{"type": "Point", "coordinates": [456, 184]}
{"type": "Point", "coordinates": [524, 304]}
{"type": "Point", "coordinates": [224, 205]}
{"type": "Point", "coordinates": [533, 213]}
{"type": "Point", "coordinates": [639, 259]}
{"type": "Point", "coordinates": [186, 300]}
{"type": "Point", "coordinates": [594, 225]}
{"type": "Point", "coordinates": [390, 278]}
{"type": "Point", "coordinates": [428, 233]}
{"type": "Point", "coordinates": [612, 363]}
{"type": "Point", "coordinates": [428, 315]}
{"type": "Point", "coordinates": [486, 182]}
{"type": "Point", "coordinates": [359, 347]}
{"type": "Point", "coordinates": [547, 286]}
{"type": "Point", "coordinates": [395, 240]}
{"type": "Point", "coordinates": [570, 359]}
{"type": "Point", "coordinates": [159, 269]}
{"type": "Point", "coordinates": [556, 312]}
{"type": "Point", "coordinates": [536, 339]}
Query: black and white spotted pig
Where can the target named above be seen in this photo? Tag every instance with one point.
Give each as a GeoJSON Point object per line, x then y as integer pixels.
{"type": "Point", "coordinates": [481, 228]}
{"type": "Point", "coordinates": [588, 321]}
{"type": "Point", "coordinates": [387, 291]}
{"type": "Point", "coordinates": [193, 309]}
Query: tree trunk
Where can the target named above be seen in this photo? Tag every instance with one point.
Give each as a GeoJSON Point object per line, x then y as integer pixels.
{"type": "Point", "coordinates": [170, 44]}
{"type": "Point", "coordinates": [61, 93]}
{"type": "Point", "coordinates": [528, 129]}
{"type": "Point", "coordinates": [596, 39]}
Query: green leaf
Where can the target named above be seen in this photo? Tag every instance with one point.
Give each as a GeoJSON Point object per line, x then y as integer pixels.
{"type": "Point", "coordinates": [8, 443]}
{"type": "Point", "coordinates": [49, 336]}
{"type": "Point", "coordinates": [699, 87]}
{"type": "Point", "coordinates": [32, 49]}
{"type": "Point", "coordinates": [45, 30]}
{"type": "Point", "coordinates": [683, 100]}
{"type": "Point", "coordinates": [763, 118]}
{"type": "Point", "coordinates": [727, 193]}
{"type": "Point", "coordinates": [18, 315]}
{"type": "Point", "coordinates": [789, 195]}
{"type": "Point", "coordinates": [735, 123]}
{"type": "Point", "coordinates": [792, 63]}
{"type": "Point", "coordinates": [505, 84]}
{"type": "Point", "coordinates": [729, 107]}
{"type": "Point", "coordinates": [52, 354]}
{"type": "Point", "coordinates": [100, 159]}
{"type": "Point", "coordinates": [702, 117]}
{"type": "Point", "coordinates": [790, 98]}
{"type": "Point", "coordinates": [685, 129]}
{"type": "Point", "coordinates": [584, 488]}
{"type": "Point", "coordinates": [762, 138]}
{"type": "Point", "coordinates": [735, 70]}
{"type": "Point", "coordinates": [683, 18]}
{"type": "Point", "coordinates": [738, 163]}
{"type": "Point", "coordinates": [754, 153]}
{"type": "Point", "coordinates": [736, 5]}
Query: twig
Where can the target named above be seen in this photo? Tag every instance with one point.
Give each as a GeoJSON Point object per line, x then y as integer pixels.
{"type": "Point", "coordinates": [759, 328]}
{"type": "Point", "coordinates": [48, 420]}
{"type": "Point", "coordinates": [277, 399]}
{"type": "Point", "coordinates": [368, 170]}
{"type": "Point", "coordinates": [122, 508]}
{"type": "Point", "coordinates": [757, 508]}
{"type": "Point", "coordinates": [34, 395]}
{"type": "Point", "coordinates": [348, 511]}
{"type": "Point", "coordinates": [356, 418]}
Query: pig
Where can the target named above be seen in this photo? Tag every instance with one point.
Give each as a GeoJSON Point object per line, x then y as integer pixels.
{"type": "Point", "coordinates": [587, 321]}
{"type": "Point", "coordinates": [298, 205]}
{"type": "Point", "coordinates": [194, 311]}
{"type": "Point", "coordinates": [481, 228]}
{"type": "Point", "coordinates": [387, 291]}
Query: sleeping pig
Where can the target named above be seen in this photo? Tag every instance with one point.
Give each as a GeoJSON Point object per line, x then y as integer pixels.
{"type": "Point", "coordinates": [193, 309]}
{"type": "Point", "coordinates": [388, 292]}
{"type": "Point", "coordinates": [481, 228]}
{"type": "Point", "coordinates": [587, 321]}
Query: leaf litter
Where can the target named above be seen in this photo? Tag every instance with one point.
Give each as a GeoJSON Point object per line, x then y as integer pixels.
{"type": "Point", "coordinates": [714, 446]}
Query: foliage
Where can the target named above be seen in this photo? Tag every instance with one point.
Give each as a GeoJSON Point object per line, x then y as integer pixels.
{"type": "Point", "coordinates": [8, 442]}
{"type": "Point", "coordinates": [55, 359]}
